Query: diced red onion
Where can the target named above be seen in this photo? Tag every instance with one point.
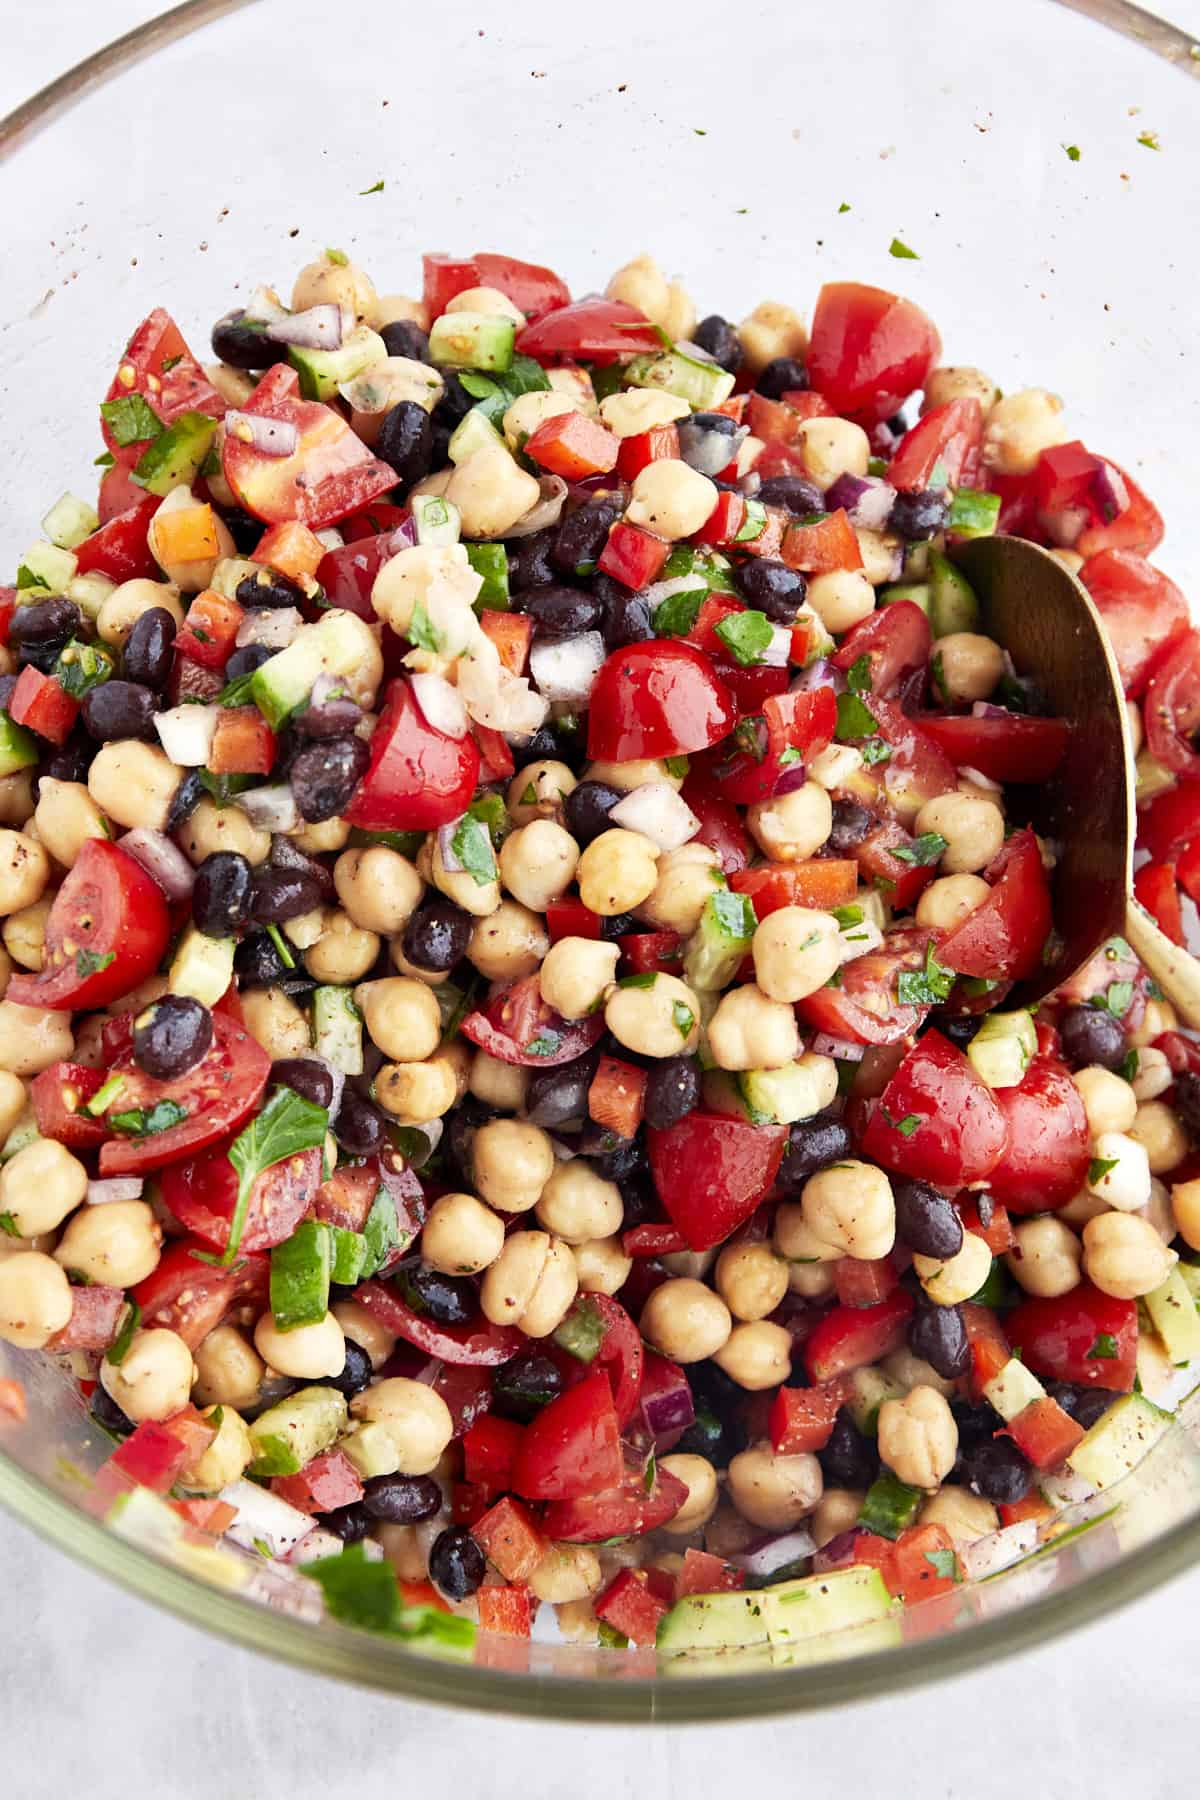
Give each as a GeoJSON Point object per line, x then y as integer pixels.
{"type": "Point", "coordinates": [270, 437]}
{"type": "Point", "coordinates": [671, 1409]}
{"type": "Point", "coordinates": [820, 673]}
{"type": "Point", "coordinates": [316, 328]}
{"type": "Point", "coordinates": [841, 1049]}
{"type": "Point", "coordinates": [263, 306]}
{"type": "Point", "coordinates": [162, 859]}
{"type": "Point", "coordinates": [271, 808]}
{"type": "Point", "coordinates": [776, 1553]}
{"type": "Point", "coordinates": [998, 1550]}
{"type": "Point", "coordinates": [1110, 492]}
{"type": "Point", "coordinates": [695, 353]}
{"type": "Point", "coordinates": [566, 669]}
{"type": "Point", "coordinates": [659, 813]}
{"type": "Point", "coordinates": [116, 1187]}
{"type": "Point", "coordinates": [273, 627]}
{"type": "Point", "coordinates": [546, 511]}
{"type": "Point", "coordinates": [186, 733]}
{"type": "Point", "coordinates": [867, 500]}
{"type": "Point", "coordinates": [792, 778]}
{"type": "Point", "coordinates": [441, 704]}
{"type": "Point", "coordinates": [779, 650]}
{"type": "Point", "coordinates": [563, 1152]}
{"type": "Point", "coordinates": [838, 1553]}
{"type": "Point", "coordinates": [983, 709]}
{"type": "Point", "coordinates": [450, 859]}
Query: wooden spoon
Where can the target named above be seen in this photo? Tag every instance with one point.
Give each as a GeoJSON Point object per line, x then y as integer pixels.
{"type": "Point", "coordinates": [1044, 618]}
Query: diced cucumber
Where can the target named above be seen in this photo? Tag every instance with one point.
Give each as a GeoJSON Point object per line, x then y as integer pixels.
{"type": "Point", "coordinates": [467, 340]}
{"type": "Point", "coordinates": [1152, 778]}
{"type": "Point", "coordinates": [229, 572]}
{"type": "Point", "coordinates": [1003, 1048]}
{"type": "Point", "coordinates": [714, 952]}
{"type": "Point", "coordinates": [437, 520]}
{"type": "Point", "coordinates": [890, 1507]}
{"type": "Point", "coordinates": [490, 563]}
{"type": "Point", "coordinates": [713, 1622]}
{"type": "Point", "coordinates": [474, 431]}
{"type": "Point", "coordinates": [1173, 1311]}
{"type": "Point", "coordinates": [349, 1250]}
{"type": "Point", "coordinates": [288, 1435]}
{"type": "Point", "coordinates": [175, 457]}
{"type": "Point", "coordinates": [782, 1096]}
{"type": "Point", "coordinates": [919, 592]}
{"type": "Point", "coordinates": [333, 646]}
{"type": "Point", "coordinates": [1118, 1441]}
{"type": "Point", "coordinates": [17, 748]}
{"type": "Point", "coordinates": [89, 592]}
{"type": "Point", "coordinates": [851, 1640]}
{"type": "Point", "coordinates": [869, 1388]}
{"type": "Point", "coordinates": [702, 384]}
{"type": "Point", "coordinates": [44, 566]}
{"type": "Point", "coordinates": [721, 1092]}
{"type": "Point", "coordinates": [818, 1604]}
{"type": "Point", "coordinates": [322, 372]}
{"type": "Point", "coordinates": [371, 1449]}
{"type": "Point", "coordinates": [1189, 1274]}
{"type": "Point", "coordinates": [337, 1029]}
{"type": "Point", "coordinates": [1013, 1389]}
{"type": "Point", "coordinates": [973, 514]}
{"type": "Point", "coordinates": [69, 521]}
{"type": "Point", "coordinates": [203, 966]}
{"type": "Point", "coordinates": [952, 602]}
{"type": "Point", "coordinates": [300, 1274]}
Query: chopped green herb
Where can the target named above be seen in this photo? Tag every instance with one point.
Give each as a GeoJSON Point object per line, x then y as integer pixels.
{"type": "Point", "coordinates": [1098, 1168]}
{"type": "Point", "coordinates": [923, 850]}
{"type": "Point", "coordinates": [82, 667]}
{"type": "Point", "coordinates": [281, 944]}
{"type": "Point", "coordinates": [858, 675]}
{"type": "Point", "coordinates": [1072, 151]}
{"type": "Point", "coordinates": [790, 756]}
{"type": "Point", "coordinates": [224, 788]}
{"type": "Point", "coordinates": [848, 915]}
{"type": "Point", "coordinates": [90, 962]}
{"type": "Point", "coordinates": [844, 207]}
{"type": "Point", "coordinates": [1104, 1349]}
{"type": "Point", "coordinates": [381, 1234]}
{"type": "Point", "coordinates": [286, 1125]}
{"type": "Point", "coordinates": [675, 616]}
{"type": "Point", "coordinates": [746, 635]}
{"type": "Point", "coordinates": [898, 248]}
{"type": "Point", "coordinates": [117, 1350]}
{"type": "Point", "coordinates": [750, 735]}
{"type": "Point", "coordinates": [130, 419]}
{"type": "Point", "coordinates": [906, 1126]}
{"type": "Point", "coordinates": [422, 632]}
{"type": "Point", "coordinates": [1149, 140]}
{"type": "Point", "coordinates": [375, 188]}
{"type": "Point", "coordinates": [650, 1473]}
{"type": "Point", "coordinates": [529, 797]}
{"type": "Point", "coordinates": [144, 1122]}
{"type": "Point", "coordinates": [9, 1225]}
{"type": "Point", "coordinates": [1129, 1066]}
{"type": "Point", "coordinates": [648, 977]}
{"type": "Point", "coordinates": [734, 913]}
{"type": "Point", "coordinates": [684, 1019]}
{"type": "Point", "coordinates": [937, 674]}
{"type": "Point", "coordinates": [854, 720]}
{"type": "Point", "coordinates": [237, 692]}
{"type": "Point", "coordinates": [1117, 999]}
{"type": "Point", "coordinates": [544, 1044]}
{"type": "Point", "coordinates": [699, 131]}
{"type": "Point", "coordinates": [472, 845]}
{"type": "Point", "coordinates": [104, 1096]}
{"type": "Point", "coordinates": [496, 393]}
{"type": "Point", "coordinates": [105, 460]}
{"type": "Point", "coordinates": [27, 579]}
{"type": "Point", "coordinates": [359, 1591]}
{"type": "Point", "coordinates": [875, 750]}
{"type": "Point", "coordinates": [677, 767]}
{"type": "Point", "coordinates": [338, 257]}
{"type": "Point", "coordinates": [582, 1331]}
{"type": "Point", "coordinates": [944, 1563]}
{"type": "Point", "coordinates": [927, 986]}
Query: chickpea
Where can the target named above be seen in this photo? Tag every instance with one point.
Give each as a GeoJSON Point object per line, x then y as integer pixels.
{"type": "Point", "coordinates": [1160, 1134]}
{"type": "Point", "coordinates": [796, 950]}
{"type": "Point", "coordinates": [1019, 427]}
{"type": "Point", "coordinates": [793, 827]}
{"type": "Point", "coordinates": [486, 300]}
{"type": "Point", "coordinates": [831, 447]}
{"type": "Point", "coordinates": [880, 552]}
{"type": "Point", "coordinates": [1133, 712]}
{"type": "Point", "coordinates": [1109, 1102]}
{"type": "Point", "coordinates": [538, 790]}
{"type": "Point", "coordinates": [910, 1371]}
{"type": "Point", "coordinates": [567, 1572]}
{"type": "Point", "coordinates": [402, 1016]}
{"type": "Point", "coordinates": [700, 1479]}
{"type": "Point", "coordinates": [35, 1299]}
{"type": "Point", "coordinates": [751, 1279]}
{"type": "Point", "coordinates": [416, 1092]}
{"type": "Point", "coordinates": [154, 1378]}
{"type": "Point", "coordinates": [24, 933]}
{"type": "Point", "coordinates": [841, 598]}
{"type": "Point", "coordinates": [750, 1031]}
{"type": "Point", "coordinates": [960, 383]}
{"type": "Point", "coordinates": [1046, 1256]}
{"type": "Point", "coordinates": [479, 898]}
{"type": "Point", "coordinates": [13, 1101]}
{"type": "Point", "coordinates": [491, 491]}
{"type": "Point", "coordinates": [642, 284]}
{"type": "Point", "coordinates": [949, 900]}
{"type": "Point", "coordinates": [41, 1185]}
{"type": "Point", "coordinates": [344, 952]}
{"type": "Point", "coordinates": [226, 1459]}
{"type": "Point", "coordinates": [1154, 1074]}
{"type": "Point", "coordinates": [658, 1019]}
{"type": "Point", "coordinates": [771, 330]}
{"type": "Point", "coordinates": [509, 943]}
{"type": "Point", "coordinates": [577, 1204]}
{"type": "Point", "coordinates": [308, 1352]}
{"type": "Point", "coordinates": [1124, 1256]}
{"type": "Point", "coordinates": [1158, 1017]}
{"type": "Point", "coordinates": [850, 1206]}
{"type": "Point", "coordinates": [66, 817]}
{"type": "Point", "coordinates": [601, 1265]}
{"type": "Point", "coordinates": [275, 1022]}
{"type": "Point", "coordinates": [685, 1320]}
{"type": "Point", "coordinates": [6, 969]}
{"type": "Point", "coordinates": [529, 411]}
{"type": "Point", "coordinates": [796, 1241]}
{"type": "Point", "coordinates": [774, 1492]}
{"type": "Point", "coordinates": [685, 879]}
{"type": "Point", "coordinates": [966, 1516]}
{"type": "Point", "coordinates": [918, 1437]}
{"type": "Point", "coordinates": [24, 871]}
{"type": "Point", "coordinates": [209, 827]}
{"type": "Point", "coordinates": [577, 973]}
{"type": "Point", "coordinates": [757, 1355]}
{"type": "Point", "coordinates": [317, 840]}
{"type": "Point", "coordinates": [415, 1418]}
{"type": "Point", "coordinates": [365, 1330]}
{"type": "Point", "coordinates": [229, 1371]}
{"type": "Point", "coordinates": [973, 830]}
{"type": "Point", "coordinates": [640, 409]}
{"type": "Point", "coordinates": [379, 889]}
{"type": "Point", "coordinates": [837, 1510]}
{"type": "Point", "coordinates": [16, 799]}
{"type": "Point", "coordinates": [335, 281]}
{"type": "Point", "coordinates": [461, 1236]}
{"type": "Point", "coordinates": [532, 1283]}
{"type": "Point", "coordinates": [117, 1244]}
{"type": "Point", "coordinates": [511, 1162]}
{"type": "Point", "coordinates": [671, 499]}
{"type": "Point", "coordinates": [639, 771]}
{"type": "Point", "coordinates": [537, 863]}
{"type": "Point", "coordinates": [125, 605]}
{"type": "Point", "coordinates": [455, 1056]}
{"type": "Point", "coordinates": [32, 1037]}
{"type": "Point", "coordinates": [500, 1084]}
{"type": "Point", "coordinates": [394, 309]}
{"type": "Point", "coordinates": [952, 1279]}
{"type": "Point", "coordinates": [970, 666]}
{"type": "Point", "coordinates": [1185, 1208]}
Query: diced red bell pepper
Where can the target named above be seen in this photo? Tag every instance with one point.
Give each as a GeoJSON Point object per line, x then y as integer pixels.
{"type": "Point", "coordinates": [573, 446]}
{"type": "Point", "coordinates": [59, 1095]}
{"type": "Point", "coordinates": [569, 917]}
{"type": "Point", "coordinates": [849, 1337]}
{"type": "Point", "coordinates": [628, 1605]}
{"type": "Point", "coordinates": [422, 1593]}
{"type": "Point", "coordinates": [653, 1240]}
{"type": "Point", "coordinates": [291, 548]}
{"type": "Point", "coordinates": [573, 1446]}
{"type": "Point", "coordinates": [659, 444]}
{"type": "Point", "coordinates": [989, 1346]}
{"type": "Point", "coordinates": [632, 556]}
{"type": "Point", "coordinates": [997, 1233]}
{"type": "Point", "coordinates": [512, 634]}
{"type": "Point", "coordinates": [243, 743]}
{"type": "Point", "coordinates": [803, 1418]}
{"type": "Point", "coordinates": [1044, 1433]}
{"type": "Point", "coordinates": [1065, 476]}
{"type": "Point", "coordinates": [330, 1480]}
{"type": "Point", "coordinates": [490, 1447]}
{"type": "Point", "coordinates": [1034, 1506]}
{"type": "Point", "coordinates": [509, 1539]}
{"type": "Point", "coordinates": [1170, 822]}
{"type": "Point", "coordinates": [469, 1502]}
{"type": "Point", "coordinates": [617, 1096]}
{"type": "Point", "coordinates": [92, 1325]}
{"type": "Point", "coordinates": [828, 544]}
{"type": "Point", "coordinates": [724, 522]}
{"type": "Point", "coordinates": [156, 1453]}
{"type": "Point", "coordinates": [121, 547]}
{"type": "Point", "coordinates": [209, 632]}
{"type": "Point", "coordinates": [498, 761]}
{"type": "Point", "coordinates": [1154, 885]}
{"type": "Point", "coordinates": [704, 1573]}
{"type": "Point", "coordinates": [206, 1514]}
{"type": "Point", "coordinates": [1084, 1336]}
{"type": "Point", "coordinates": [861, 1283]}
{"type": "Point", "coordinates": [41, 704]}
{"type": "Point", "coordinates": [923, 1564]}
{"type": "Point", "coordinates": [821, 883]}
{"type": "Point", "coordinates": [652, 951]}
{"type": "Point", "coordinates": [506, 1610]}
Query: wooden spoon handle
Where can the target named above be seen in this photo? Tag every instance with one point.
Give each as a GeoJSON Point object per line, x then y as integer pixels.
{"type": "Point", "coordinates": [1176, 972]}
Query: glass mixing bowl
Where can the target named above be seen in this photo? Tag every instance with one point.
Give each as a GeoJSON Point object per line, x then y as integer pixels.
{"type": "Point", "coordinates": [756, 151]}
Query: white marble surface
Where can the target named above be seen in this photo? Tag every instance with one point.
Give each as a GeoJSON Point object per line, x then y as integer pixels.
{"type": "Point", "coordinates": [100, 1694]}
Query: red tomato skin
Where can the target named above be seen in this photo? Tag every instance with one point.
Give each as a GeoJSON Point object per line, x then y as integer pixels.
{"type": "Point", "coordinates": [158, 365]}
{"type": "Point", "coordinates": [59, 1094]}
{"type": "Point", "coordinates": [1139, 527]}
{"type": "Point", "coordinates": [1003, 939]}
{"type": "Point", "coordinates": [897, 638]}
{"type": "Point", "coordinates": [189, 1296]}
{"type": "Point", "coordinates": [228, 1083]}
{"type": "Point", "coordinates": [517, 1016]}
{"type": "Point", "coordinates": [118, 493]}
{"type": "Point", "coordinates": [1013, 749]}
{"type": "Point", "coordinates": [121, 548]}
{"type": "Point", "coordinates": [348, 574]}
{"type": "Point", "coordinates": [490, 1447]}
{"type": "Point", "coordinates": [625, 1509]}
{"type": "Point", "coordinates": [1170, 823]}
{"type": "Point", "coordinates": [962, 1135]}
{"type": "Point", "coordinates": [92, 1325]}
{"type": "Point", "coordinates": [573, 1446]}
{"type": "Point", "coordinates": [951, 435]}
{"type": "Point", "coordinates": [418, 778]}
{"type": "Point", "coordinates": [657, 699]}
{"type": "Point", "coordinates": [202, 1192]}
{"type": "Point", "coordinates": [1154, 885]}
{"type": "Point", "coordinates": [1046, 1162]}
{"type": "Point", "coordinates": [824, 883]}
{"type": "Point", "coordinates": [803, 1418]}
{"type": "Point", "coordinates": [530, 286]}
{"type": "Point", "coordinates": [1055, 1336]}
{"type": "Point", "coordinates": [129, 922]}
{"type": "Point", "coordinates": [480, 1345]}
{"type": "Point", "coordinates": [711, 1171]}
{"type": "Point", "coordinates": [721, 825]}
{"type": "Point", "coordinates": [1045, 1433]}
{"type": "Point", "coordinates": [1143, 611]}
{"type": "Point", "coordinates": [1171, 708]}
{"type": "Point", "coordinates": [632, 556]}
{"type": "Point", "coordinates": [849, 1337]}
{"type": "Point", "coordinates": [846, 1011]}
{"type": "Point", "coordinates": [868, 350]}
{"type": "Point", "coordinates": [598, 331]}
{"type": "Point", "coordinates": [41, 704]}
{"type": "Point", "coordinates": [443, 278]}
{"type": "Point", "coordinates": [332, 473]}
{"type": "Point", "coordinates": [804, 722]}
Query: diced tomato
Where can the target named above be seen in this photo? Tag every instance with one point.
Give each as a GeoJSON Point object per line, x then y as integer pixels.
{"type": "Point", "coordinates": [1171, 822]}
{"type": "Point", "coordinates": [95, 1312]}
{"type": "Point", "coordinates": [569, 917]}
{"type": "Point", "coordinates": [799, 723]}
{"type": "Point", "coordinates": [961, 1133]}
{"type": "Point", "coordinates": [653, 1240]}
{"type": "Point", "coordinates": [291, 548]}
{"type": "Point", "coordinates": [418, 777]}
{"type": "Point", "coordinates": [572, 1447]}
{"type": "Point", "coordinates": [949, 435]}
{"type": "Point", "coordinates": [989, 1346]}
{"type": "Point", "coordinates": [422, 1593]}
{"type": "Point", "coordinates": [1044, 1432]}
{"type": "Point", "coordinates": [156, 1453]}
{"type": "Point", "coordinates": [895, 639]}
{"type": "Point", "coordinates": [481, 1345]}
{"type": "Point", "coordinates": [711, 1171]}
{"type": "Point", "coordinates": [1171, 708]}
{"type": "Point", "coordinates": [509, 1539]}
{"type": "Point", "coordinates": [823, 883]}
{"type": "Point", "coordinates": [330, 474]}
{"type": "Point", "coordinates": [1046, 1162]}
{"type": "Point", "coordinates": [41, 704]}
{"type": "Point", "coordinates": [508, 1611]}
{"type": "Point", "coordinates": [190, 1296]}
{"type": "Point", "coordinates": [243, 743]}
{"type": "Point", "coordinates": [713, 610]}
{"type": "Point", "coordinates": [656, 699]}
{"type": "Point", "coordinates": [530, 286]}
{"type": "Point", "coordinates": [1138, 527]}
{"type": "Point", "coordinates": [721, 825]}
{"type": "Point", "coordinates": [1034, 1506]}
{"type": "Point", "coordinates": [106, 931]}
{"type": "Point", "coordinates": [217, 1095]}
{"type": "Point", "coordinates": [490, 1447]}
{"type": "Point", "coordinates": [59, 1095]}
{"type": "Point", "coordinates": [868, 350]}
{"type": "Point", "coordinates": [121, 547]}
{"type": "Point", "coordinates": [1004, 937]}
{"type": "Point", "coordinates": [348, 573]}
{"type": "Point", "coordinates": [923, 1564]}
{"type": "Point", "coordinates": [1189, 874]}
{"type": "Point", "coordinates": [659, 444]}
{"type": "Point", "coordinates": [617, 1096]}
{"type": "Point", "coordinates": [779, 421]}
{"type": "Point", "coordinates": [849, 1337]}
{"type": "Point", "coordinates": [118, 492]}
{"type": "Point", "coordinates": [860, 1283]}
{"type": "Point", "coordinates": [202, 1195]}
{"type": "Point", "coordinates": [828, 544]}
{"type": "Point", "coordinates": [1065, 477]}
{"type": "Point", "coordinates": [573, 446]}
{"type": "Point", "coordinates": [1085, 1337]}
{"type": "Point", "coordinates": [1012, 749]}
{"type": "Point", "coordinates": [191, 681]}
{"type": "Point", "coordinates": [632, 556]}
{"type": "Point", "coordinates": [209, 631]}
{"type": "Point", "coordinates": [595, 331]}
{"type": "Point", "coordinates": [902, 881]}
{"type": "Point", "coordinates": [1143, 611]}
{"type": "Point", "coordinates": [987, 1218]}
{"type": "Point", "coordinates": [865, 1008]}
{"type": "Point", "coordinates": [203, 1514]}
{"type": "Point", "coordinates": [723, 524]}
{"type": "Point", "coordinates": [704, 1573]}
{"type": "Point", "coordinates": [512, 634]}
{"type": "Point", "coordinates": [628, 1606]}
{"type": "Point", "coordinates": [498, 762]}
{"type": "Point", "coordinates": [652, 951]}
{"type": "Point", "coordinates": [517, 1026]}
{"type": "Point", "coordinates": [445, 276]}
{"type": "Point", "coordinates": [158, 365]}
{"type": "Point", "coordinates": [330, 1480]}
{"type": "Point", "coordinates": [624, 1509]}
{"type": "Point", "coordinates": [803, 1418]}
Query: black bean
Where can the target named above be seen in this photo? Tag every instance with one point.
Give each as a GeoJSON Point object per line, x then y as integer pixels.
{"type": "Point", "coordinates": [324, 776]}
{"type": "Point", "coordinates": [613, 1158]}
{"type": "Point", "coordinates": [44, 622]}
{"type": "Point", "coordinates": [851, 824]}
{"type": "Point", "coordinates": [455, 402]}
{"type": "Point", "coordinates": [706, 1436]}
{"type": "Point", "coordinates": [672, 1091]}
{"type": "Point", "coordinates": [267, 589]}
{"type": "Point", "coordinates": [350, 1523]}
{"type": "Point", "coordinates": [718, 337]}
{"type": "Point", "coordinates": [925, 1220]}
{"type": "Point", "coordinates": [771, 587]}
{"type": "Point", "coordinates": [244, 347]}
{"type": "Point", "coordinates": [582, 535]}
{"type": "Point", "coordinates": [357, 1370]}
{"type": "Point", "coordinates": [39, 656]}
{"type": "Point", "coordinates": [558, 1096]}
{"type": "Point", "coordinates": [281, 894]}
{"type": "Point", "coordinates": [897, 425]}
{"type": "Point", "coordinates": [171, 1036]}
{"type": "Point", "coordinates": [108, 1414]}
{"type": "Point", "coordinates": [245, 530]}
{"type": "Point", "coordinates": [257, 963]}
{"type": "Point", "coordinates": [184, 800]}
{"type": "Point", "coordinates": [614, 926]}
{"type": "Point", "coordinates": [976, 1423]}
{"type": "Point", "coordinates": [1086, 1405]}
{"type": "Point", "coordinates": [639, 1202]}
{"type": "Point", "coordinates": [586, 809]}
{"type": "Point", "coordinates": [1187, 1103]}
{"type": "Point", "coordinates": [627, 616]}
{"type": "Point", "coordinates": [529, 564]}
{"type": "Point", "coordinates": [306, 1077]}
{"type": "Point", "coordinates": [404, 337]}
{"type": "Point", "coordinates": [961, 1028]}
{"type": "Point", "coordinates": [523, 1386]}
{"type": "Point", "coordinates": [222, 894]}
{"type": "Point", "coordinates": [149, 649]}
{"type": "Point", "coordinates": [66, 762]}
{"type": "Point", "coordinates": [1089, 1035]}
{"type": "Point", "coordinates": [446, 1299]}
{"type": "Point", "coordinates": [850, 1458]}
{"type": "Point", "coordinates": [939, 1335]}
{"type": "Point", "coordinates": [119, 709]}
{"type": "Point", "coordinates": [405, 442]}
{"type": "Point", "coordinates": [998, 1471]}
{"type": "Point", "coordinates": [782, 375]}
{"type": "Point", "coordinates": [918, 516]}
{"type": "Point", "coordinates": [563, 612]}
{"type": "Point", "coordinates": [359, 1126]}
{"type": "Point", "coordinates": [402, 1499]}
{"type": "Point", "coordinates": [334, 718]}
{"type": "Point", "coordinates": [537, 748]}
{"type": "Point", "coordinates": [793, 493]}
{"type": "Point", "coordinates": [246, 660]}
{"type": "Point", "coordinates": [437, 934]}
{"type": "Point", "coordinates": [812, 1145]}
{"type": "Point", "coordinates": [456, 1563]}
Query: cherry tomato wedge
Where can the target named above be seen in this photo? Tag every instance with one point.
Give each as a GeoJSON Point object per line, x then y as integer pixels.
{"type": "Point", "coordinates": [1172, 706]}
{"type": "Point", "coordinates": [657, 699]}
{"type": "Point", "coordinates": [202, 1194]}
{"type": "Point", "coordinates": [1003, 939]}
{"type": "Point", "coordinates": [1084, 1337]}
{"type": "Point", "coordinates": [573, 1446]}
{"type": "Point", "coordinates": [896, 639]}
{"type": "Point", "coordinates": [865, 1009]}
{"type": "Point", "coordinates": [59, 1095]}
{"type": "Point", "coordinates": [711, 1171]}
{"type": "Point", "coordinates": [106, 932]}
{"type": "Point", "coordinates": [481, 1345]}
{"type": "Point", "coordinates": [158, 367]}
{"type": "Point", "coordinates": [961, 1133]}
{"type": "Point", "coordinates": [517, 1026]}
{"type": "Point", "coordinates": [1046, 1163]}
{"type": "Point", "coordinates": [1143, 611]}
{"type": "Point", "coordinates": [626, 1509]}
{"type": "Point", "coordinates": [187, 1295]}
{"type": "Point", "coordinates": [868, 350]}
{"type": "Point", "coordinates": [596, 331]}
{"type": "Point", "coordinates": [620, 1355]}
{"type": "Point", "coordinates": [217, 1096]}
{"type": "Point", "coordinates": [851, 1336]}
{"type": "Point", "coordinates": [330, 473]}
{"type": "Point", "coordinates": [418, 777]}
{"type": "Point", "coordinates": [949, 435]}
{"type": "Point", "coordinates": [1012, 749]}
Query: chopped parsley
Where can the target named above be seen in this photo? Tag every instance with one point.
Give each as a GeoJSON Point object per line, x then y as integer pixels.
{"type": "Point", "coordinates": [677, 767]}
{"type": "Point", "coordinates": [790, 756]}
{"type": "Point", "coordinates": [496, 393]}
{"type": "Point", "coordinates": [375, 188]}
{"type": "Point", "coordinates": [847, 916]}
{"type": "Point", "coordinates": [906, 1126]}
{"type": "Point", "coordinates": [337, 257]}
{"type": "Point", "coordinates": [1105, 1349]}
{"type": "Point", "coordinates": [844, 207]}
{"type": "Point", "coordinates": [1116, 999]}
{"type": "Point", "coordinates": [130, 419]}
{"type": "Point", "coordinates": [675, 616]}
{"type": "Point", "coordinates": [1099, 1167]}
{"type": "Point", "coordinates": [874, 750]}
{"type": "Point", "coordinates": [472, 845]}
{"type": "Point", "coordinates": [1129, 1066]}
{"type": "Point", "coordinates": [422, 632]}
{"type": "Point", "coordinates": [650, 1473]}
{"type": "Point", "coordinates": [937, 673]}
{"type": "Point", "coordinates": [90, 962]}
{"type": "Point", "coordinates": [922, 851]}
{"type": "Point", "coordinates": [854, 720]}
{"type": "Point", "coordinates": [105, 460]}
{"type": "Point", "coordinates": [143, 1121]}
{"type": "Point", "coordinates": [943, 1563]}
{"type": "Point", "coordinates": [119, 1347]}
{"type": "Point", "coordinates": [286, 1125]}
{"type": "Point", "coordinates": [529, 797]}
{"type": "Point", "coordinates": [750, 736]}
{"type": "Point", "coordinates": [899, 248]}
{"type": "Point", "coordinates": [648, 977]}
{"type": "Point", "coordinates": [858, 675]}
{"type": "Point", "coordinates": [1072, 151]}
{"type": "Point", "coordinates": [359, 1591]}
{"type": "Point", "coordinates": [927, 986]}
{"type": "Point", "coordinates": [9, 1225]}
{"type": "Point", "coordinates": [544, 1044]}
{"type": "Point", "coordinates": [684, 1018]}
{"type": "Point", "coordinates": [282, 946]}
{"type": "Point", "coordinates": [1149, 140]}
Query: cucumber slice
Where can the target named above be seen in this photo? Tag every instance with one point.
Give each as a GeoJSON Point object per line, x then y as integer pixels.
{"type": "Point", "coordinates": [203, 967]}
{"type": "Point", "coordinates": [702, 384]}
{"type": "Point", "coordinates": [44, 566]}
{"type": "Point", "coordinates": [781, 1096]}
{"type": "Point", "coordinates": [288, 1435]}
{"type": "Point", "coordinates": [715, 950]}
{"type": "Point", "coordinates": [473, 432]}
{"type": "Point", "coordinates": [349, 1253]}
{"type": "Point", "coordinates": [919, 592]}
{"type": "Point", "coordinates": [89, 592]}
{"type": "Point", "coordinates": [330, 647]}
{"type": "Point", "coordinates": [1118, 1442]}
{"type": "Point", "coordinates": [869, 1388]}
{"type": "Point", "coordinates": [952, 602]}
{"type": "Point", "coordinates": [69, 521]}
{"type": "Point", "coordinates": [713, 1622]}
{"type": "Point", "coordinates": [467, 340]}
{"type": "Point", "coordinates": [175, 457]}
{"type": "Point", "coordinates": [818, 1604]}
{"type": "Point", "coordinates": [438, 520]}
{"type": "Point", "coordinates": [17, 748]}
{"type": "Point", "coordinates": [1003, 1048]}
{"type": "Point", "coordinates": [890, 1506]}
{"type": "Point", "coordinates": [1172, 1309]}
{"type": "Point", "coordinates": [1013, 1389]}
{"type": "Point", "coordinates": [973, 514]}
{"type": "Point", "coordinates": [322, 372]}
{"type": "Point", "coordinates": [337, 1029]}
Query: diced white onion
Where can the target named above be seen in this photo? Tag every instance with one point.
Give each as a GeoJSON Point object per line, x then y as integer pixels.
{"type": "Point", "coordinates": [841, 1049]}
{"type": "Point", "coordinates": [860, 939]}
{"type": "Point", "coordinates": [566, 671]}
{"type": "Point", "coordinates": [262, 1514]}
{"type": "Point", "coordinates": [313, 1545]}
{"type": "Point", "coordinates": [441, 704]}
{"type": "Point", "coordinates": [659, 591]}
{"type": "Point", "coordinates": [273, 627]}
{"type": "Point", "coordinates": [116, 1187]}
{"type": "Point", "coordinates": [998, 1550]}
{"type": "Point", "coordinates": [777, 652]}
{"type": "Point", "coordinates": [162, 859]}
{"type": "Point", "coordinates": [316, 328]}
{"type": "Point", "coordinates": [777, 1553]}
{"type": "Point", "coordinates": [186, 733]}
{"type": "Point", "coordinates": [271, 808]}
{"type": "Point", "coordinates": [659, 813]}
